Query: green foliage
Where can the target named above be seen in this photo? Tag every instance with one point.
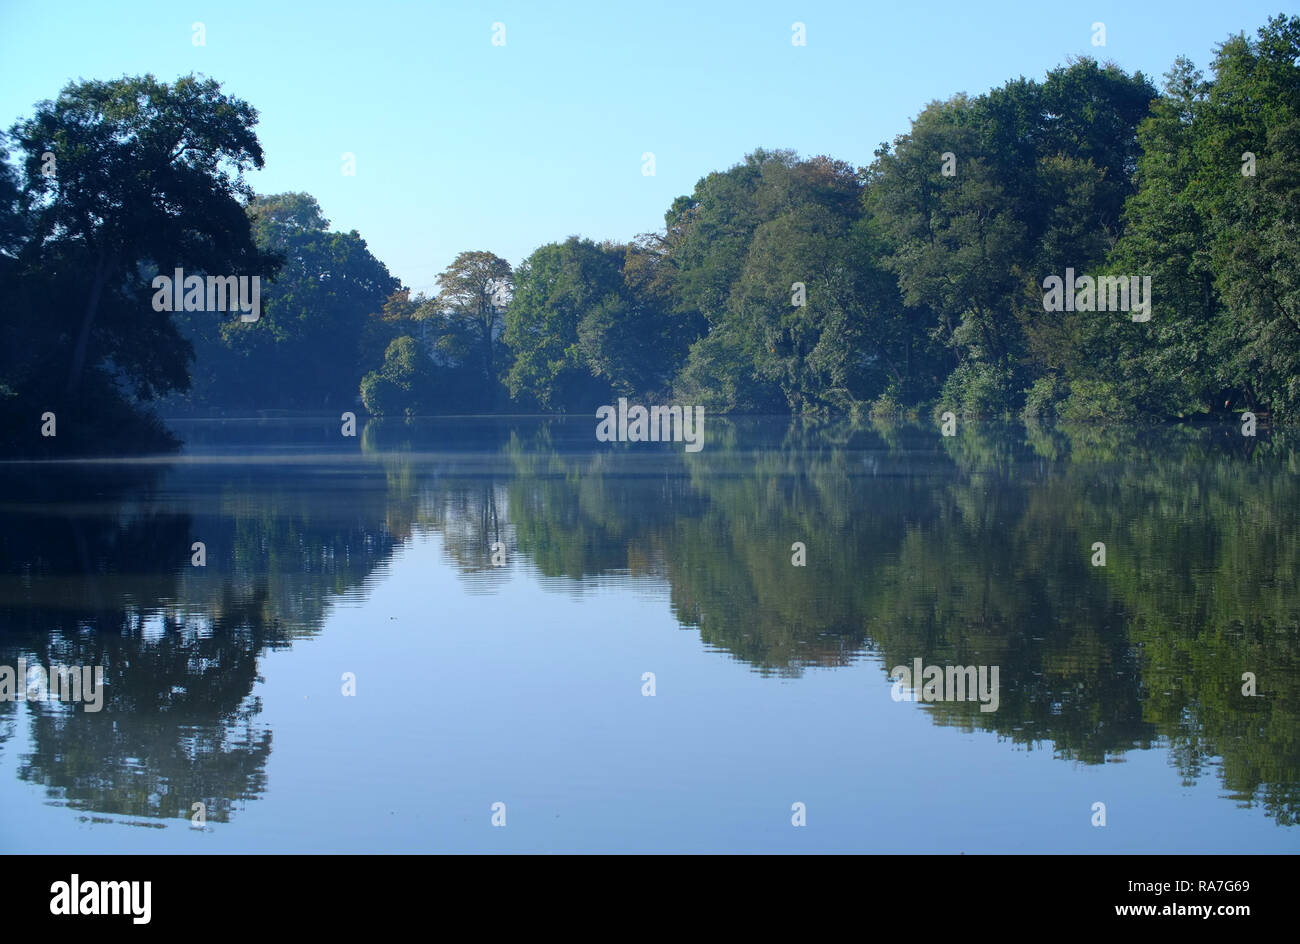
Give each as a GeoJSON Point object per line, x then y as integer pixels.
{"type": "Point", "coordinates": [556, 287]}
{"type": "Point", "coordinates": [404, 384]}
{"type": "Point", "coordinates": [306, 351]}
{"type": "Point", "coordinates": [1254, 105]}
{"type": "Point", "coordinates": [977, 388]}
{"type": "Point", "coordinates": [778, 261]}
{"type": "Point", "coordinates": [1041, 173]}
{"type": "Point", "coordinates": [1090, 400]}
{"type": "Point", "coordinates": [1220, 245]}
{"type": "Point", "coordinates": [779, 284]}
{"type": "Point", "coordinates": [475, 290]}
{"type": "Point", "coordinates": [1043, 398]}
{"type": "Point", "coordinates": [147, 177]}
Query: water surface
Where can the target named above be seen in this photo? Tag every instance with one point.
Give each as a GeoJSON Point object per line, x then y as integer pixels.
{"type": "Point", "coordinates": [522, 683]}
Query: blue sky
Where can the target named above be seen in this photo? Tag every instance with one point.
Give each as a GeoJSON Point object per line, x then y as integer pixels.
{"type": "Point", "coordinates": [461, 144]}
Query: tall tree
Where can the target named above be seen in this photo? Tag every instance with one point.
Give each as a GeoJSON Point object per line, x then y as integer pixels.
{"type": "Point", "coordinates": [555, 289]}
{"type": "Point", "coordinates": [1254, 107]}
{"type": "Point", "coordinates": [985, 197]}
{"type": "Point", "coordinates": [145, 175]}
{"type": "Point", "coordinates": [120, 180]}
{"type": "Point", "coordinates": [475, 291]}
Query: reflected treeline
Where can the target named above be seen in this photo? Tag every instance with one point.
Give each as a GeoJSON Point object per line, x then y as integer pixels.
{"type": "Point", "coordinates": [971, 550]}
{"type": "Point", "coordinates": [106, 578]}
{"type": "Point", "coordinates": [977, 550]}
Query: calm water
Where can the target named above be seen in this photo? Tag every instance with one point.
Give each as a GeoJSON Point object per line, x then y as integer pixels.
{"type": "Point", "coordinates": [523, 683]}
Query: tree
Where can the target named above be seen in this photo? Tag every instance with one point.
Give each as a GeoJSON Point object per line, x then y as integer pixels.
{"type": "Point", "coordinates": [555, 289]}
{"type": "Point", "coordinates": [1213, 222]}
{"type": "Point", "coordinates": [1040, 178]}
{"type": "Point", "coordinates": [307, 351]}
{"type": "Point", "coordinates": [147, 177]}
{"type": "Point", "coordinates": [475, 290]}
{"type": "Point", "coordinates": [1172, 364]}
{"type": "Point", "coordinates": [118, 181]}
{"type": "Point", "coordinates": [1254, 106]}
{"type": "Point", "coordinates": [633, 338]}
{"type": "Point", "coordinates": [404, 384]}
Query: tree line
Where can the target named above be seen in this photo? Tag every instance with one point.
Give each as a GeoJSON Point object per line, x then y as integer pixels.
{"type": "Point", "coordinates": [781, 284]}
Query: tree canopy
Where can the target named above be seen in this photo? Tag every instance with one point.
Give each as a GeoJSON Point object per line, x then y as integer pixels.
{"type": "Point", "coordinates": [115, 182]}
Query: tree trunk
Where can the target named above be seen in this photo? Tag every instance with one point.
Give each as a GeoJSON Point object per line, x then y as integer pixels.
{"type": "Point", "coordinates": [87, 322]}
{"type": "Point", "coordinates": [488, 324]}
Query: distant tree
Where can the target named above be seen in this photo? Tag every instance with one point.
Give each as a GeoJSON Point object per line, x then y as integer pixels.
{"type": "Point", "coordinates": [475, 291]}
{"type": "Point", "coordinates": [1174, 363]}
{"type": "Point", "coordinates": [633, 338]}
{"type": "Point", "coordinates": [403, 385]}
{"type": "Point", "coordinates": [556, 287]}
{"type": "Point", "coordinates": [402, 314]}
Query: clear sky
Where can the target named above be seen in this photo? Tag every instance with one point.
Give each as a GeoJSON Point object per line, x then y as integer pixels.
{"type": "Point", "coordinates": [461, 144]}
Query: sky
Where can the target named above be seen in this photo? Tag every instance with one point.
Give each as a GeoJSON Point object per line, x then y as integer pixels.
{"type": "Point", "coordinates": [461, 144]}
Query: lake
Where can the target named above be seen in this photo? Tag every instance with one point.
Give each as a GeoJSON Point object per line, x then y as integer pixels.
{"type": "Point", "coordinates": [500, 635]}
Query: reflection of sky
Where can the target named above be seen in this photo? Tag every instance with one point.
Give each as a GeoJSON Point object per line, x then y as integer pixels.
{"type": "Point", "coordinates": [533, 697]}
